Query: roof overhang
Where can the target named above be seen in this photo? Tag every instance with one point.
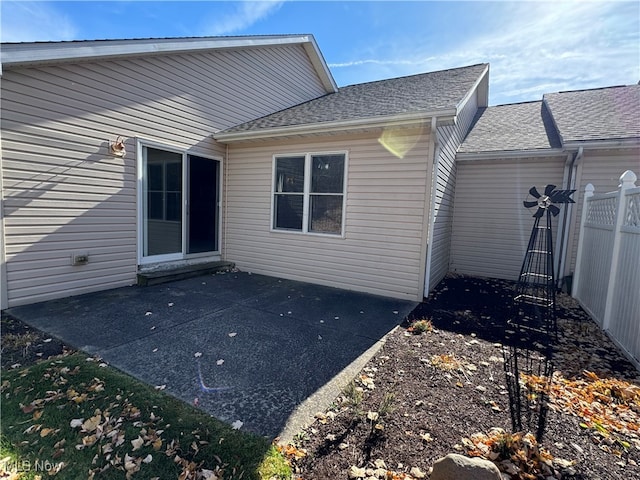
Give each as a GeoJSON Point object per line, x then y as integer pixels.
{"type": "Point", "coordinates": [443, 116]}
{"type": "Point", "coordinates": [603, 144]}
{"type": "Point", "coordinates": [511, 154]}
{"type": "Point", "coordinates": [46, 53]}
{"type": "Point", "coordinates": [483, 93]}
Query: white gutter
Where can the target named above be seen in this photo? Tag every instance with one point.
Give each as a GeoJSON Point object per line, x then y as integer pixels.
{"type": "Point", "coordinates": [338, 125]}
{"type": "Point", "coordinates": [603, 144]}
{"type": "Point", "coordinates": [510, 154]}
{"type": "Point", "coordinates": [569, 183]}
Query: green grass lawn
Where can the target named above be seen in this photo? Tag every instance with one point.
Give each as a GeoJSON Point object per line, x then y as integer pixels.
{"type": "Point", "coordinates": [71, 417]}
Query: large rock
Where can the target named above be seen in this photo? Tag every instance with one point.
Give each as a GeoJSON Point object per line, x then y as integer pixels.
{"type": "Point", "coordinates": [459, 467]}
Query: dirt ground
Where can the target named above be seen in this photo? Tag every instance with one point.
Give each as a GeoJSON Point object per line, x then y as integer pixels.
{"type": "Point", "coordinates": [424, 396]}
{"type": "Point", "coordinates": [22, 345]}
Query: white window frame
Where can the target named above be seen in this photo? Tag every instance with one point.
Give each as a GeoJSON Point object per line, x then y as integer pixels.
{"type": "Point", "coordinates": [306, 203]}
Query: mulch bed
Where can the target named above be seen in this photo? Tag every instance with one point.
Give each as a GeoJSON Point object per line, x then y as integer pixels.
{"type": "Point", "coordinates": [22, 345]}
{"type": "Point", "coordinates": [424, 396]}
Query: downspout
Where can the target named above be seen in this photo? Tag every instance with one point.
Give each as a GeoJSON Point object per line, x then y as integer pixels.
{"type": "Point", "coordinates": [433, 150]}
{"type": "Point", "coordinates": [225, 189]}
{"type": "Point", "coordinates": [570, 184]}
{"type": "Point", "coordinates": [3, 266]}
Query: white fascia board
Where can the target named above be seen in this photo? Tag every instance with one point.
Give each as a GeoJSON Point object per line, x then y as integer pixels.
{"type": "Point", "coordinates": [340, 125]}
{"type": "Point", "coordinates": [477, 83]}
{"type": "Point", "coordinates": [318, 62]}
{"type": "Point", "coordinates": [510, 154]}
{"type": "Point", "coordinates": [18, 54]}
{"type": "Point", "coordinates": [603, 144]}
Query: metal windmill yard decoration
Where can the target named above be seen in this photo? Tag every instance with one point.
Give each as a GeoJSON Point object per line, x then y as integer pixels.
{"type": "Point", "coordinates": [532, 327]}
{"type": "Point", "coordinates": [535, 292]}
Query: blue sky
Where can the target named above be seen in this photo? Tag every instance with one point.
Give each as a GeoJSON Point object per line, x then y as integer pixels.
{"type": "Point", "coordinates": [533, 47]}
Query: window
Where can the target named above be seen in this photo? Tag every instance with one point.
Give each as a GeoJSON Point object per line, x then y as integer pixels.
{"type": "Point", "coordinates": [308, 193]}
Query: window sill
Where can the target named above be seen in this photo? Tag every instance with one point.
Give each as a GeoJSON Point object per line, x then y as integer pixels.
{"type": "Point", "coordinates": [308, 234]}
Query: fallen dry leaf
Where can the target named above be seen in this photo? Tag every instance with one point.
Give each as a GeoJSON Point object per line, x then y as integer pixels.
{"type": "Point", "coordinates": [137, 443]}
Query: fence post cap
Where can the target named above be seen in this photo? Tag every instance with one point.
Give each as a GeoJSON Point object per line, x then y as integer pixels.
{"type": "Point", "coordinates": [589, 189]}
{"type": "Point", "coordinates": [628, 179]}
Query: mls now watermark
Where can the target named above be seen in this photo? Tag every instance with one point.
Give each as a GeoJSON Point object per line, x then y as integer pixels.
{"type": "Point", "coordinates": [22, 465]}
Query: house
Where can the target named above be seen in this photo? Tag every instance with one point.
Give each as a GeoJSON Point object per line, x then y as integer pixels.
{"type": "Point", "coordinates": [122, 156]}
{"type": "Point", "coordinates": [568, 139]}
{"type": "Point", "coordinates": [125, 155]}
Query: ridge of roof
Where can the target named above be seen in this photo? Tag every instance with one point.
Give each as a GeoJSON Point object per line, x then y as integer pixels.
{"type": "Point", "coordinates": [514, 103]}
{"type": "Point", "coordinates": [403, 77]}
{"type": "Point", "coordinates": [591, 89]}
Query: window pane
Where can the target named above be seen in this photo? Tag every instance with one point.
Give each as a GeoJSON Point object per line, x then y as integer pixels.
{"type": "Point", "coordinates": [154, 176]}
{"type": "Point", "coordinates": [288, 212]}
{"type": "Point", "coordinates": [289, 174]}
{"type": "Point", "coordinates": [326, 214]}
{"type": "Point", "coordinates": [174, 176]}
{"type": "Point", "coordinates": [174, 207]}
{"type": "Point", "coordinates": [155, 205]}
{"type": "Point", "coordinates": [327, 174]}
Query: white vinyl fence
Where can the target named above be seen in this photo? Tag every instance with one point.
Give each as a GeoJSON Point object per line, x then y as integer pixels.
{"type": "Point", "coordinates": [607, 277]}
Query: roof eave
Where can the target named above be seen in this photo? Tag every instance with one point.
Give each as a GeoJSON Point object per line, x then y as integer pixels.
{"type": "Point", "coordinates": [340, 125]}
{"type": "Point", "coordinates": [603, 144]}
{"type": "Point", "coordinates": [475, 86]}
{"type": "Point", "coordinates": [511, 154]}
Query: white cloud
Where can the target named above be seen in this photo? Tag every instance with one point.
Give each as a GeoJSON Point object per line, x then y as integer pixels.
{"type": "Point", "coordinates": [245, 14]}
{"type": "Point", "coordinates": [34, 21]}
{"type": "Point", "coordinates": [565, 46]}
{"type": "Point", "coordinates": [536, 48]}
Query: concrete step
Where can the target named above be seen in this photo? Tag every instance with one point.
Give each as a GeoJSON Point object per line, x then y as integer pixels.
{"type": "Point", "coordinates": [146, 279]}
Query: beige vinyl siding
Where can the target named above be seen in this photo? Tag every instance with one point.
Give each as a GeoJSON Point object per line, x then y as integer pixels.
{"type": "Point", "coordinates": [601, 168]}
{"type": "Point", "coordinates": [491, 227]}
{"type": "Point", "coordinates": [384, 225]}
{"type": "Point", "coordinates": [449, 139]}
{"type": "Point", "coordinates": [63, 193]}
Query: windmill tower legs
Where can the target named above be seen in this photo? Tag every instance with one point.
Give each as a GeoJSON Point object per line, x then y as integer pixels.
{"type": "Point", "coordinates": [531, 333]}
{"type": "Point", "coordinates": [535, 299]}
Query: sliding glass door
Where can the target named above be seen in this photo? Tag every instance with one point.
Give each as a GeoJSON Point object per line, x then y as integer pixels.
{"type": "Point", "coordinates": [180, 205]}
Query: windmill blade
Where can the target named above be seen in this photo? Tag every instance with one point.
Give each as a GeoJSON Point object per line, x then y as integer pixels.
{"type": "Point", "coordinates": [549, 189]}
{"type": "Point", "coordinates": [562, 196]}
{"type": "Point", "coordinates": [530, 204]}
{"type": "Point", "coordinates": [539, 213]}
{"type": "Point", "coordinates": [554, 210]}
{"type": "Point", "coordinates": [534, 192]}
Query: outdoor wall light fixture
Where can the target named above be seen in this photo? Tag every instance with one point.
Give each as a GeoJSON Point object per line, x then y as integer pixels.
{"type": "Point", "coordinates": [117, 148]}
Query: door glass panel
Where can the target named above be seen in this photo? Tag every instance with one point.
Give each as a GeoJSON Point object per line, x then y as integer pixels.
{"type": "Point", "coordinates": [203, 221]}
{"type": "Point", "coordinates": [163, 202]}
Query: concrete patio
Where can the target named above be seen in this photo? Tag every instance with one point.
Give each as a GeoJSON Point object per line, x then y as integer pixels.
{"type": "Point", "coordinates": [243, 347]}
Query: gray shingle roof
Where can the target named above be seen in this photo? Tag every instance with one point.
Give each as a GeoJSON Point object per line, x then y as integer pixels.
{"type": "Point", "coordinates": [428, 92]}
{"type": "Point", "coordinates": [611, 113]}
{"type": "Point", "coordinates": [518, 126]}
